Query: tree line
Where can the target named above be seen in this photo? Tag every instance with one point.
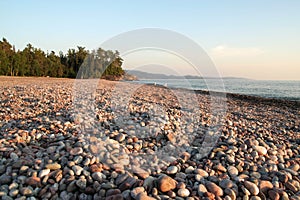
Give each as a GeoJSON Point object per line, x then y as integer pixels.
{"type": "Point", "coordinates": [80, 63]}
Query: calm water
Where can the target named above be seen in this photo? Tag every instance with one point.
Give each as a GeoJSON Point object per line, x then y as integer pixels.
{"type": "Point", "coordinates": [270, 89]}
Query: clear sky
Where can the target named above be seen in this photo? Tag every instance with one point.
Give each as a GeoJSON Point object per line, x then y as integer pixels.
{"type": "Point", "coordinates": [253, 39]}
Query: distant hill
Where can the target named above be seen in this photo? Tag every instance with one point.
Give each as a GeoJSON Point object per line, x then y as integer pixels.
{"type": "Point", "coordinates": [145, 75]}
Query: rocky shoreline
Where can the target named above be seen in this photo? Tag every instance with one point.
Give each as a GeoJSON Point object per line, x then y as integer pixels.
{"type": "Point", "coordinates": [127, 141]}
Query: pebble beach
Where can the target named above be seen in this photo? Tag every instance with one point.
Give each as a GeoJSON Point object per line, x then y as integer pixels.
{"type": "Point", "coordinates": [143, 142]}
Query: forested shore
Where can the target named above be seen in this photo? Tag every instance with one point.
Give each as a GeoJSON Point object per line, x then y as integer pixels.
{"type": "Point", "coordinates": [79, 62]}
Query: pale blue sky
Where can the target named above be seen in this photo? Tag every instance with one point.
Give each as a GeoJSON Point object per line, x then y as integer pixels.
{"type": "Point", "coordinates": [254, 39]}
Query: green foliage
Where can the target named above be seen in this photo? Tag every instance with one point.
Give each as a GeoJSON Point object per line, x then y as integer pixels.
{"type": "Point", "coordinates": [35, 62]}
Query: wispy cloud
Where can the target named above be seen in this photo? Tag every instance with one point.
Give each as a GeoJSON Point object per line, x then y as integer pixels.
{"type": "Point", "coordinates": [227, 51]}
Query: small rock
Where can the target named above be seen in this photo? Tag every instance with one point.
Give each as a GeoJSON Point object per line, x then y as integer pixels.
{"type": "Point", "coordinates": [97, 176]}
{"type": "Point", "coordinates": [136, 191]}
{"type": "Point", "coordinates": [5, 179]}
{"type": "Point", "coordinates": [252, 187]}
{"type": "Point", "coordinates": [5, 197]}
{"type": "Point", "coordinates": [86, 162]}
{"type": "Point", "coordinates": [51, 149]}
{"type": "Point", "coordinates": [295, 167]}
{"type": "Point", "coordinates": [13, 192]}
{"type": "Point", "coordinates": [255, 198]}
{"type": "Point", "coordinates": [94, 148]}
{"type": "Point", "coordinates": [183, 192]}
{"type": "Point", "coordinates": [149, 183]}
{"type": "Point", "coordinates": [226, 183]}
{"type": "Point", "coordinates": [232, 171]}
{"type": "Point", "coordinates": [83, 196]}
{"type": "Point", "coordinates": [81, 183]}
{"type": "Point", "coordinates": [114, 197]}
{"type": "Point", "coordinates": [230, 193]}
{"type": "Point", "coordinates": [53, 166]}
{"type": "Point", "coordinates": [289, 185]}
{"type": "Point", "coordinates": [72, 186]}
{"type": "Point", "coordinates": [261, 150]}
{"type": "Point", "coordinates": [144, 196]}
{"type": "Point", "coordinates": [213, 188]}
{"type": "Point", "coordinates": [111, 192]}
{"type": "Point", "coordinates": [76, 151]}
{"type": "Point", "coordinates": [189, 170]}
{"type": "Point", "coordinates": [201, 172]}
{"type": "Point", "coordinates": [14, 156]}
{"type": "Point", "coordinates": [77, 169]}
{"type": "Point", "coordinates": [265, 186]}
{"type": "Point", "coordinates": [26, 191]}
{"type": "Point", "coordinates": [120, 137]}
{"type": "Point", "coordinates": [33, 181]}
{"type": "Point", "coordinates": [140, 172]}
{"type": "Point", "coordinates": [96, 167]}
{"type": "Point", "coordinates": [172, 170]}
{"type": "Point", "coordinates": [220, 168]}
{"type": "Point", "coordinates": [201, 189]}
{"type": "Point", "coordinates": [274, 195]}
{"type": "Point", "coordinates": [166, 183]}
{"type": "Point", "coordinates": [44, 172]}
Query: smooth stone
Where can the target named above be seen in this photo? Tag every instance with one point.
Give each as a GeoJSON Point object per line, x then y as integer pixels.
{"type": "Point", "coordinates": [144, 196]}
{"type": "Point", "coordinates": [213, 188]}
{"type": "Point", "coordinates": [172, 170]}
{"type": "Point", "coordinates": [53, 166]}
{"type": "Point", "coordinates": [232, 171]}
{"type": "Point", "coordinates": [121, 178]}
{"type": "Point", "coordinates": [51, 149]}
{"type": "Point", "coordinates": [86, 162]}
{"type": "Point", "coordinates": [97, 176]}
{"type": "Point", "coordinates": [201, 172]}
{"type": "Point", "coordinates": [14, 156]}
{"type": "Point", "coordinates": [261, 150]}
{"type": "Point", "coordinates": [252, 187]}
{"type": "Point", "coordinates": [13, 192]}
{"type": "Point", "coordinates": [143, 174]}
{"type": "Point", "coordinates": [5, 197]}
{"type": "Point", "coordinates": [5, 179]}
{"type": "Point", "coordinates": [220, 168]}
{"type": "Point", "coordinates": [44, 172]}
{"type": "Point", "coordinates": [77, 169]}
{"type": "Point", "coordinates": [255, 198]}
{"type": "Point", "coordinates": [230, 159]}
{"type": "Point", "coordinates": [183, 192]}
{"type": "Point", "coordinates": [111, 192]}
{"type": "Point", "coordinates": [166, 183]}
{"type": "Point", "coordinates": [289, 185]}
{"type": "Point", "coordinates": [149, 183]}
{"type": "Point", "coordinates": [134, 193]}
{"type": "Point", "coordinates": [72, 186]}
{"type": "Point", "coordinates": [14, 185]}
{"type": "Point", "coordinates": [33, 181]}
{"type": "Point", "coordinates": [294, 173]}
{"type": "Point", "coordinates": [26, 191]}
{"type": "Point", "coordinates": [83, 196]}
{"type": "Point", "coordinates": [295, 167]}
{"type": "Point", "coordinates": [189, 170]}
{"type": "Point", "coordinates": [198, 177]}
{"type": "Point", "coordinates": [226, 183]}
{"type": "Point", "coordinates": [201, 189]}
{"type": "Point", "coordinates": [78, 159]}
{"type": "Point", "coordinates": [274, 195]}
{"type": "Point", "coordinates": [265, 186]}
{"type": "Point", "coordinates": [81, 183]}
{"type": "Point", "coordinates": [76, 151]}
{"type": "Point", "coordinates": [230, 193]}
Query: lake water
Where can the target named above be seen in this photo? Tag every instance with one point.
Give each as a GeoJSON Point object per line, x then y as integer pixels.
{"type": "Point", "coordinates": [269, 89]}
